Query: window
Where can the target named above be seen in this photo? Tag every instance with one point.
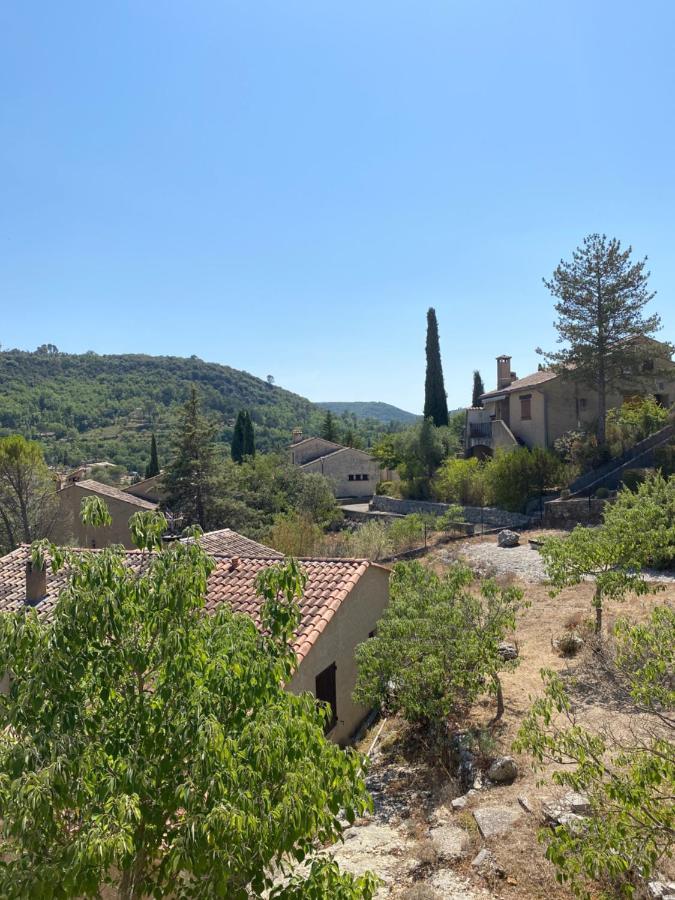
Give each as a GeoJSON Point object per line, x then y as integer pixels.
{"type": "Point", "coordinates": [648, 365]}
{"type": "Point", "coordinates": [526, 406]}
{"type": "Point", "coordinates": [350, 477]}
{"type": "Point", "coordinates": [325, 693]}
{"type": "Point", "coordinates": [583, 403]}
{"type": "Point", "coordinates": [364, 478]}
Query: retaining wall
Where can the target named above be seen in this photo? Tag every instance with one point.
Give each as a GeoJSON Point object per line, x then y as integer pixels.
{"type": "Point", "coordinates": [568, 513]}
{"type": "Point", "coordinates": [487, 515]}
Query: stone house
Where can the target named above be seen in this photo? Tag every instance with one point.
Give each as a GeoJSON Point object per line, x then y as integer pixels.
{"type": "Point", "coordinates": [69, 529]}
{"type": "Point", "coordinates": [150, 489]}
{"type": "Point", "coordinates": [352, 472]}
{"type": "Point", "coordinates": [536, 410]}
{"type": "Point", "coordinates": [341, 606]}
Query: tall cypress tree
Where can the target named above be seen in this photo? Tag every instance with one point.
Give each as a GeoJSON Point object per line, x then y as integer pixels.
{"type": "Point", "coordinates": [238, 448]}
{"type": "Point", "coordinates": [190, 481]}
{"type": "Point", "coordinates": [435, 401]}
{"type": "Point", "coordinates": [249, 435]}
{"type": "Point", "coordinates": [152, 467]}
{"type": "Point", "coordinates": [478, 389]}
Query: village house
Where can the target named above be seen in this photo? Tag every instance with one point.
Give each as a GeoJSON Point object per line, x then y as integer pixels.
{"type": "Point", "coordinates": [352, 472]}
{"type": "Point", "coordinates": [69, 528]}
{"type": "Point", "coordinates": [150, 489]}
{"type": "Point", "coordinates": [536, 410]}
{"type": "Point", "coordinates": [341, 606]}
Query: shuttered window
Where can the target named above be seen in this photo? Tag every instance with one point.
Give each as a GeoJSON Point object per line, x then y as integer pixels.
{"type": "Point", "coordinates": [526, 406]}
{"type": "Point", "coordinates": [325, 691]}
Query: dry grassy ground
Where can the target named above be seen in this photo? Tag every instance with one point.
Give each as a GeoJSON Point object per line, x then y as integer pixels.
{"type": "Point", "coordinates": [518, 852]}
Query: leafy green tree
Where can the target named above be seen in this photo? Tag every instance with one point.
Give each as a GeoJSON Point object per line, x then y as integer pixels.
{"type": "Point", "coordinates": [190, 480]}
{"type": "Point", "coordinates": [436, 647]}
{"type": "Point", "coordinates": [150, 749]}
{"type": "Point", "coordinates": [329, 428]}
{"type": "Point", "coordinates": [28, 502]}
{"type": "Point", "coordinates": [633, 421]}
{"type": "Point", "coordinates": [629, 785]}
{"type": "Point", "coordinates": [478, 389]}
{"type": "Point", "coordinates": [152, 468]}
{"type": "Point", "coordinates": [635, 530]}
{"type": "Point", "coordinates": [601, 298]}
{"type": "Point", "coordinates": [461, 481]}
{"type": "Point", "coordinates": [435, 400]}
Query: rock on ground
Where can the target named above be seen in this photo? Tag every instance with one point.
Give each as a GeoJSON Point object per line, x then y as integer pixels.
{"type": "Point", "coordinates": [494, 820]}
{"type": "Point", "coordinates": [449, 841]}
{"type": "Point", "coordinates": [508, 538]}
{"type": "Point", "coordinates": [503, 770]}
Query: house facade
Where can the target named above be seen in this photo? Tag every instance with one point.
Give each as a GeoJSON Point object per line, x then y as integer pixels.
{"type": "Point", "coordinates": [342, 603]}
{"type": "Point", "coordinates": [69, 528]}
{"type": "Point", "coordinates": [352, 472]}
{"type": "Point", "coordinates": [536, 410]}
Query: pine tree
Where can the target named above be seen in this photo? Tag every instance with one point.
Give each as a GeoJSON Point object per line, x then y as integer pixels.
{"type": "Point", "coordinates": [190, 481]}
{"type": "Point", "coordinates": [435, 401]}
{"type": "Point", "coordinates": [328, 429]}
{"type": "Point", "coordinates": [601, 297]}
{"type": "Point", "coordinates": [152, 467]}
{"type": "Point", "coordinates": [478, 389]}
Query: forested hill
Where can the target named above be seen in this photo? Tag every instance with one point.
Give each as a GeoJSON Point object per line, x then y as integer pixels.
{"type": "Point", "coordinates": [89, 407]}
{"type": "Point", "coordinates": [380, 412]}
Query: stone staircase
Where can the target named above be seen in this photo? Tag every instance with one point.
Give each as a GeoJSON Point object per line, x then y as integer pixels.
{"type": "Point", "coordinates": [610, 473]}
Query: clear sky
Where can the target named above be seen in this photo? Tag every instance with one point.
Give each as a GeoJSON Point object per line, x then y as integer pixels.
{"type": "Point", "coordinates": [286, 186]}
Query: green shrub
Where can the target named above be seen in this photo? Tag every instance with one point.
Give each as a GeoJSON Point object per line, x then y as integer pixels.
{"type": "Point", "coordinates": [631, 478]}
{"type": "Point", "coordinates": [384, 488]}
{"type": "Point", "coordinates": [461, 481]}
{"type": "Point", "coordinates": [602, 493]}
{"type": "Point", "coordinates": [516, 475]}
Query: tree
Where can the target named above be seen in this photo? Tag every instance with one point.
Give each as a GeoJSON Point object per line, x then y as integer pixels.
{"type": "Point", "coordinates": [151, 749]}
{"type": "Point", "coordinates": [329, 428]}
{"type": "Point", "coordinates": [152, 467]}
{"type": "Point", "coordinates": [28, 502]}
{"type": "Point", "coordinates": [243, 439]}
{"type": "Point", "coordinates": [435, 400]}
{"type": "Point", "coordinates": [601, 297]}
{"type": "Point", "coordinates": [635, 530]}
{"type": "Point", "coordinates": [430, 448]}
{"type": "Point", "coordinates": [190, 481]}
{"type": "Point", "coordinates": [478, 389]}
{"type": "Point", "coordinates": [628, 781]}
{"type": "Point", "coordinates": [436, 647]}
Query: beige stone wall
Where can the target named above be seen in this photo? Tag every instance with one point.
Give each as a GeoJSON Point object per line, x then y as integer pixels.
{"type": "Point", "coordinates": [531, 431]}
{"type": "Point", "coordinates": [69, 529]}
{"type": "Point", "coordinates": [349, 627]}
{"type": "Point", "coordinates": [339, 466]}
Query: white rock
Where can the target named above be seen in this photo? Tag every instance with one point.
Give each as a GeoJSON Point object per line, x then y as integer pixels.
{"type": "Point", "coordinates": [449, 841]}
{"type": "Point", "coordinates": [503, 769]}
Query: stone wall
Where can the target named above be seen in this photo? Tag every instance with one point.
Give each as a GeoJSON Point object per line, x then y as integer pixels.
{"type": "Point", "coordinates": [568, 513]}
{"type": "Point", "coordinates": [488, 515]}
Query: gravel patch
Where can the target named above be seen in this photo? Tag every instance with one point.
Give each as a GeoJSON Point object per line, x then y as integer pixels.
{"type": "Point", "coordinates": [523, 562]}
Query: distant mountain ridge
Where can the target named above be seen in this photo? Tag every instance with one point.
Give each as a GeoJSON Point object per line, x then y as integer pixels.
{"type": "Point", "coordinates": [86, 407]}
{"type": "Point", "coordinates": [380, 412]}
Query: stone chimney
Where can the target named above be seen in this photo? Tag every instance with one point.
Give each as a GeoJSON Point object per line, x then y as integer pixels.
{"type": "Point", "coordinates": [297, 435]}
{"type": "Point", "coordinates": [504, 374]}
{"type": "Point", "coordinates": [36, 584]}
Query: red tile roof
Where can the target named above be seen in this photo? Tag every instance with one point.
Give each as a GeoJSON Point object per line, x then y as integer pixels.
{"type": "Point", "coordinates": [521, 383]}
{"type": "Point", "coordinates": [231, 543]}
{"type": "Point", "coordinates": [329, 582]}
{"type": "Point", "coordinates": [107, 490]}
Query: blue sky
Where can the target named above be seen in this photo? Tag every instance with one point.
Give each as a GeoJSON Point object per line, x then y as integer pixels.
{"type": "Point", "coordinates": [285, 187]}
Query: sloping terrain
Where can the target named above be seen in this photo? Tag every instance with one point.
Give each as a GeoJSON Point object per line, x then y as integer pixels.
{"type": "Point", "coordinates": [381, 412]}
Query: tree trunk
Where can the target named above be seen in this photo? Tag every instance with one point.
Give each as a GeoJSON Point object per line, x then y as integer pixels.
{"type": "Point", "coordinates": [597, 603]}
{"type": "Point", "coordinates": [500, 699]}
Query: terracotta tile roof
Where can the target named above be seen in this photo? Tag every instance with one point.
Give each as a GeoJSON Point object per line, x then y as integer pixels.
{"type": "Point", "coordinates": [335, 453]}
{"type": "Point", "coordinates": [107, 490]}
{"type": "Point", "coordinates": [329, 582]}
{"type": "Point", "coordinates": [521, 384]}
{"type": "Point", "coordinates": [231, 543]}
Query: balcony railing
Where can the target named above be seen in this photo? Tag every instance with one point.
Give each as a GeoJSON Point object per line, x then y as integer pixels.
{"type": "Point", "coordinates": [481, 430]}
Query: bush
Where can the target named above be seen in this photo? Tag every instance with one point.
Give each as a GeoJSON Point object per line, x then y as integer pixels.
{"type": "Point", "coordinates": [461, 481]}
{"type": "Point", "coordinates": [634, 421]}
{"type": "Point", "coordinates": [631, 478]}
{"type": "Point", "coordinates": [602, 493]}
{"type": "Point", "coordinates": [436, 648]}
{"type": "Point", "coordinates": [295, 534]}
{"type": "Point", "coordinates": [516, 475]}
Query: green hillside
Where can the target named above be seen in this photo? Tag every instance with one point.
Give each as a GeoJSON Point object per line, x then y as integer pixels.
{"type": "Point", "coordinates": [380, 412]}
{"type": "Point", "coordinates": [90, 407]}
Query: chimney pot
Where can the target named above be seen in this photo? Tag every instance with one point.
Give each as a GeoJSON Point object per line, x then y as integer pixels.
{"type": "Point", "coordinates": [36, 584]}
{"type": "Point", "coordinates": [297, 435]}
{"type": "Point", "coordinates": [234, 563]}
